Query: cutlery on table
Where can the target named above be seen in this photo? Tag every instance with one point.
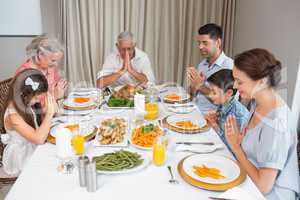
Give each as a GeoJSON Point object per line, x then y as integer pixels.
{"type": "Point", "coordinates": [218, 198]}
{"type": "Point", "coordinates": [172, 180]}
{"type": "Point", "coordinates": [163, 91]}
{"type": "Point", "coordinates": [191, 143]}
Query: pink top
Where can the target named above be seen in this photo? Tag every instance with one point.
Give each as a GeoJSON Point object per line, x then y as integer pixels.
{"type": "Point", "coordinates": [51, 74]}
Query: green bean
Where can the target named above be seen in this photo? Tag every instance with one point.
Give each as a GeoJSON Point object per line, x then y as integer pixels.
{"type": "Point", "coordinates": [117, 161]}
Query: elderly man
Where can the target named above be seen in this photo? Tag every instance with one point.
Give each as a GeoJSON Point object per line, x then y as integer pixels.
{"type": "Point", "coordinates": [210, 45]}
{"type": "Point", "coordinates": [126, 65]}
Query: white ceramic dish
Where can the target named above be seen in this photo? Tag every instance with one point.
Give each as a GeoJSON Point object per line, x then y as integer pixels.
{"type": "Point", "coordinates": [228, 167]}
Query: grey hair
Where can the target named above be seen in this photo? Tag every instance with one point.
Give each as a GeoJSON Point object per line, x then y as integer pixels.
{"type": "Point", "coordinates": [45, 45]}
{"type": "Point", "coordinates": [126, 35]}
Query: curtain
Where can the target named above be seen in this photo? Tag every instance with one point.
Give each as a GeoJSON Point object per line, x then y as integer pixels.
{"type": "Point", "coordinates": [165, 30]}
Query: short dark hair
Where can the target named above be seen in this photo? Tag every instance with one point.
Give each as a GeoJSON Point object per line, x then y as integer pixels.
{"type": "Point", "coordinates": [223, 79]}
{"type": "Point", "coordinates": [213, 30]}
{"type": "Point", "coordinates": [258, 64]}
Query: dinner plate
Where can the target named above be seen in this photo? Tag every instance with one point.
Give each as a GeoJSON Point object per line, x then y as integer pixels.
{"type": "Point", "coordinates": [63, 111]}
{"type": "Point", "coordinates": [181, 108]}
{"type": "Point", "coordinates": [227, 167]}
{"type": "Point", "coordinates": [145, 163]}
{"type": "Point", "coordinates": [86, 91]}
{"type": "Point", "coordinates": [85, 130]}
{"type": "Point", "coordinates": [139, 146]}
{"type": "Point", "coordinates": [199, 121]}
{"type": "Point", "coordinates": [70, 102]}
{"type": "Point", "coordinates": [183, 97]}
{"type": "Point", "coordinates": [123, 143]}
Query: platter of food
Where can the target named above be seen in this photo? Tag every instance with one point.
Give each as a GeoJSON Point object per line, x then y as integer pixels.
{"type": "Point", "coordinates": [113, 132]}
{"type": "Point", "coordinates": [122, 97]}
{"type": "Point", "coordinates": [144, 136]}
{"type": "Point", "coordinates": [120, 162]}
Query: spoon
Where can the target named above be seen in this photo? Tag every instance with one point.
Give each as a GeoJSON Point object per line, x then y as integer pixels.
{"type": "Point", "coordinates": [172, 180]}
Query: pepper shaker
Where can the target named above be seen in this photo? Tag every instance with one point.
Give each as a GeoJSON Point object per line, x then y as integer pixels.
{"type": "Point", "coordinates": [82, 162]}
{"type": "Point", "coordinates": [91, 177]}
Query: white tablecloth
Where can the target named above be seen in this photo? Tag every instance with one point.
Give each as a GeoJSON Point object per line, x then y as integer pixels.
{"type": "Point", "coordinates": [41, 180]}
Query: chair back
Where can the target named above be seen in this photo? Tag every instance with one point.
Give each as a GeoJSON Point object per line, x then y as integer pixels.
{"type": "Point", "coordinates": [4, 87]}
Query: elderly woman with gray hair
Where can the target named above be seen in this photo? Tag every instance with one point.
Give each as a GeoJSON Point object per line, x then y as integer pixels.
{"type": "Point", "coordinates": [45, 54]}
{"type": "Point", "coordinates": [126, 65]}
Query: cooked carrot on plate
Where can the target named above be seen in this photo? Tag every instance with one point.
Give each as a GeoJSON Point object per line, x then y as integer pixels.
{"type": "Point", "coordinates": [186, 124]}
{"type": "Point", "coordinates": [145, 135]}
{"type": "Point", "coordinates": [204, 171]}
{"type": "Point", "coordinates": [81, 99]}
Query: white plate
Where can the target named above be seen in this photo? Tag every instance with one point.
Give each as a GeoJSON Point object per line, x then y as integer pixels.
{"type": "Point", "coordinates": [228, 167]}
{"type": "Point", "coordinates": [138, 146]}
{"type": "Point", "coordinates": [183, 96]}
{"type": "Point", "coordinates": [145, 163]}
{"type": "Point", "coordinates": [124, 143]}
{"type": "Point", "coordinates": [70, 102]}
{"type": "Point", "coordinates": [199, 120]}
{"type": "Point", "coordinates": [76, 112]}
{"type": "Point", "coordinates": [85, 130]}
{"type": "Point", "coordinates": [181, 108]}
{"type": "Point", "coordinates": [86, 90]}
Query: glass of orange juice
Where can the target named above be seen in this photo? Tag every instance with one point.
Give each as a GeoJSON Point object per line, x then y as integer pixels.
{"type": "Point", "coordinates": [152, 110]}
{"type": "Point", "coordinates": [159, 152]}
{"type": "Point", "coordinates": [78, 141]}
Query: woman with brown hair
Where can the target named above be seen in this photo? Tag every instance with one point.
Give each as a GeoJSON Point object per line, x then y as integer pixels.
{"type": "Point", "coordinates": [266, 147]}
{"type": "Point", "coordinates": [25, 125]}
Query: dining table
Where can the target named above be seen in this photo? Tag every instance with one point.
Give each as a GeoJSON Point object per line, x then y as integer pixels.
{"type": "Point", "coordinates": [41, 179]}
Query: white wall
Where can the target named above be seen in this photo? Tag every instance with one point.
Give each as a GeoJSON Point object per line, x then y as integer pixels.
{"type": "Point", "coordinates": [274, 25]}
{"type": "Point", "coordinates": [12, 49]}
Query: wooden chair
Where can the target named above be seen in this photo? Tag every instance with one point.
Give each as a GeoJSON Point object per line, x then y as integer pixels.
{"type": "Point", "coordinates": [4, 178]}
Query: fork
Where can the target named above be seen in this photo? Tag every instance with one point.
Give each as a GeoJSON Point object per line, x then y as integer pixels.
{"type": "Point", "coordinates": [172, 180]}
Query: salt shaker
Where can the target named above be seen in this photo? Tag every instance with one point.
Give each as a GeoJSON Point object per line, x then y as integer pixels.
{"type": "Point", "coordinates": [91, 177]}
{"type": "Point", "coordinates": [82, 162]}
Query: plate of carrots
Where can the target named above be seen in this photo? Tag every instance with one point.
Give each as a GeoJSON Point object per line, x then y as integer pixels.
{"type": "Point", "coordinates": [212, 169]}
{"type": "Point", "coordinates": [176, 98]}
{"type": "Point", "coordinates": [186, 122]}
{"type": "Point", "coordinates": [144, 136]}
{"type": "Point", "coordinates": [82, 101]}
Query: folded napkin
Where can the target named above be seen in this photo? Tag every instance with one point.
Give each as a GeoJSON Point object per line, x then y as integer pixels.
{"type": "Point", "coordinates": [199, 148]}
{"type": "Point", "coordinates": [238, 193]}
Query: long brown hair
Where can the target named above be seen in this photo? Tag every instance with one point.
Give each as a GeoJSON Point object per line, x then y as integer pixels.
{"type": "Point", "coordinates": [21, 92]}
{"type": "Point", "coordinates": [258, 64]}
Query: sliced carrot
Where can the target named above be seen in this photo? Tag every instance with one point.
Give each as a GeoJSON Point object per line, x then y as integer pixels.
{"type": "Point", "coordinates": [81, 99]}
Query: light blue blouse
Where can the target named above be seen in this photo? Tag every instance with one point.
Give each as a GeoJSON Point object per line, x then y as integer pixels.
{"type": "Point", "coordinates": [273, 144]}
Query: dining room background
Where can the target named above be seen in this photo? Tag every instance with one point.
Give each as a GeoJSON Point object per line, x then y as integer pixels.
{"type": "Point", "coordinates": [165, 30]}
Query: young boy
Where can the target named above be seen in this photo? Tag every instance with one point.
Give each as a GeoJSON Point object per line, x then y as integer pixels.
{"type": "Point", "coordinates": [222, 94]}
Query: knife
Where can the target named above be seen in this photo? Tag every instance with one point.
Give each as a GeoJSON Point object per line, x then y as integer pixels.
{"type": "Point", "coordinates": [191, 143]}
{"type": "Point", "coordinates": [218, 198]}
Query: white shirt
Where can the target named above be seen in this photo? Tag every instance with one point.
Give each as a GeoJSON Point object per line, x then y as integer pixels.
{"type": "Point", "coordinates": [140, 62]}
{"type": "Point", "coordinates": [222, 62]}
